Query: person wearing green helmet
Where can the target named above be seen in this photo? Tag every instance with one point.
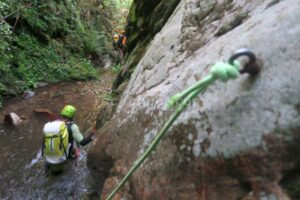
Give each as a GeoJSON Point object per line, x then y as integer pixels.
{"type": "Point", "coordinates": [68, 113]}
{"type": "Point", "coordinates": [59, 147]}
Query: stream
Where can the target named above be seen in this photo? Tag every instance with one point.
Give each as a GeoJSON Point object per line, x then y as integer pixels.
{"type": "Point", "coordinates": [21, 164]}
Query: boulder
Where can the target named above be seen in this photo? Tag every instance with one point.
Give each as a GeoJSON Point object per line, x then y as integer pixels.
{"type": "Point", "coordinates": [12, 119]}
{"type": "Point", "coordinates": [237, 140]}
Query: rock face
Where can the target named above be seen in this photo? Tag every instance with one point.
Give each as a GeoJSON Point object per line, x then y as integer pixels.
{"type": "Point", "coordinates": [237, 140]}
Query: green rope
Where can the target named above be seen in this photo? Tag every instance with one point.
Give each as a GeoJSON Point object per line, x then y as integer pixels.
{"type": "Point", "coordinates": [220, 70]}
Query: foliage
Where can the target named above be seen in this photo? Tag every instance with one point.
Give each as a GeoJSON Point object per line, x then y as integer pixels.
{"type": "Point", "coordinates": [94, 43]}
{"type": "Point", "coordinates": [117, 68]}
{"type": "Point", "coordinates": [118, 4]}
{"type": "Point", "coordinates": [111, 97]}
{"type": "Point", "coordinates": [120, 9]}
{"type": "Point", "coordinates": [49, 41]}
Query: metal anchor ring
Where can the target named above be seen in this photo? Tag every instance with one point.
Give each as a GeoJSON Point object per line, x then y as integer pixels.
{"type": "Point", "coordinates": [251, 67]}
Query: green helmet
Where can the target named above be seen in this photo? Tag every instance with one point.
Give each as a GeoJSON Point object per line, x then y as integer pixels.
{"type": "Point", "coordinates": [68, 111]}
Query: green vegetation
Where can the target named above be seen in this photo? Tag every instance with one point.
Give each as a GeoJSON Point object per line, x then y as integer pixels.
{"type": "Point", "coordinates": [110, 97]}
{"type": "Point", "coordinates": [49, 41]}
{"type": "Point", "coordinates": [120, 9]}
{"type": "Point", "coordinates": [117, 68]}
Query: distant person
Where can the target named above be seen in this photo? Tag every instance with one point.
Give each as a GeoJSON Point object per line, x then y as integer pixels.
{"type": "Point", "coordinates": [121, 44]}
{"type": "Point", "coordinates": [58, 140]}
{"type": "Point", "coordinates": [115, 41]}
{"type": "Point", "coordinates": [124, 40]}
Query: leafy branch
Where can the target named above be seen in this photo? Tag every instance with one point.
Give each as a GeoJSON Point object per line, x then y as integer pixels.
{"type": "Point", "coordinates": [14, 12]}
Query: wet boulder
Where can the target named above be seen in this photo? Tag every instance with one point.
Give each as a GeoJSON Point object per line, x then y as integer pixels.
{"type": "Point", "coordinates": [28, 94]}
{"type": "Point", "coordinates": [237, 140]}
{"type": "Point", "coordinates": [12, 119]}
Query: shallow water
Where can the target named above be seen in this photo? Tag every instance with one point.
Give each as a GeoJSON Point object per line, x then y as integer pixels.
{"type": "Point", "coordinates": [21, 164]}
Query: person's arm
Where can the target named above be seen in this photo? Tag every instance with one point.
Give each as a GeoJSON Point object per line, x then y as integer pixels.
{"type": "Point", "coordinates": [78, 136]}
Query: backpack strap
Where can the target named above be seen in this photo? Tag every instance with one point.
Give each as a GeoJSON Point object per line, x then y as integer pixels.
{"type": "Point", "coordinates": [71, 139]}
{"type": "Point", "coordinates": [61, 144]}
{"type": "Point", "coordinates": [43, 145]}
{"type": "Point", "coordinates": [70, 131]}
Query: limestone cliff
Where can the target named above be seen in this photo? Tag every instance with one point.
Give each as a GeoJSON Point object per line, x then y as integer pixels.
{"type": "Point", "coordinates": [237, 140]}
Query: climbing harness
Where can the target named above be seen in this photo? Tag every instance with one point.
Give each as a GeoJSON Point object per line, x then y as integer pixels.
{"type": "Point", "coordinates": [222, 71]}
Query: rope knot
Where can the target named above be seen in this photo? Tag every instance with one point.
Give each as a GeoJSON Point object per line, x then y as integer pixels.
{"type": "Point", "coordinates": [174, 100]}
{"type": "Point", "coordinates": [225, 71]}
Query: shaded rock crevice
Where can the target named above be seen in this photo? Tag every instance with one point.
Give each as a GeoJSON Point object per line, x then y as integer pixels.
{"type": "Point", "coordinates": [145, 20]}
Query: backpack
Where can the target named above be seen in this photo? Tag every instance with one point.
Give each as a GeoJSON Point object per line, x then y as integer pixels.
{"type": "Point", "coordinates": [56, 139]}
{"type": "Point", "coordinates": [124, 41]}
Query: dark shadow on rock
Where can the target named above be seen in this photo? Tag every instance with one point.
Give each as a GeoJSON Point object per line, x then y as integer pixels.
{"type": "Point", "coordinates": [272, 3]}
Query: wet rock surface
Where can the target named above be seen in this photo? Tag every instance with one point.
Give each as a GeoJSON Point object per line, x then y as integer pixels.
{"type": "Point", "coordinates": [235, 141]}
